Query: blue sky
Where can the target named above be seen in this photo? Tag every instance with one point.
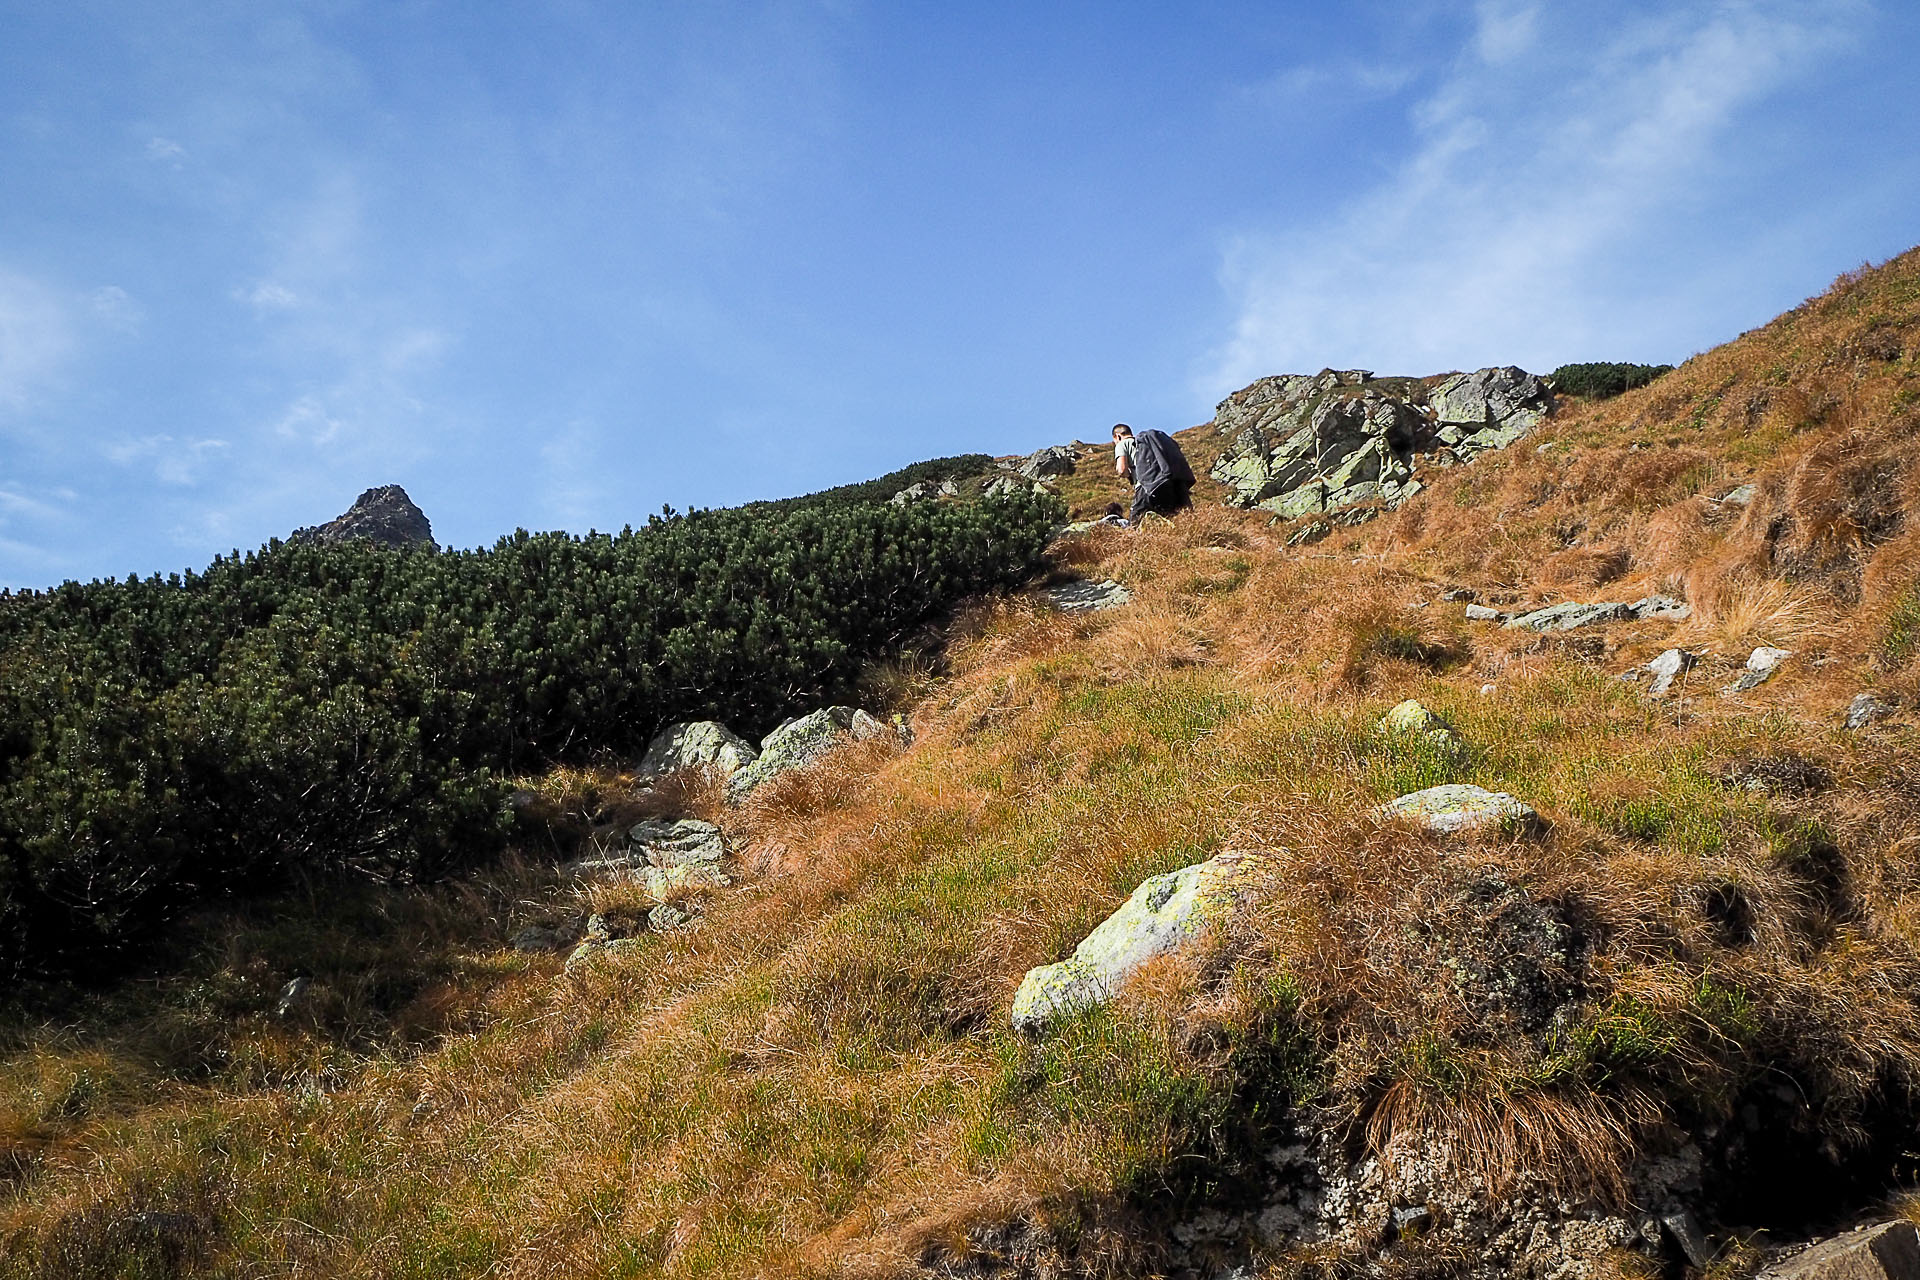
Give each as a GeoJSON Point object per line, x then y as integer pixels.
{"type": "Point", "coordinates": [553, 264]}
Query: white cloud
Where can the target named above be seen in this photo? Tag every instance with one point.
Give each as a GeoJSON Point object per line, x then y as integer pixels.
{"type": "Point", "coordinates": [308, 419]}
{"type": "Point", "coordinates": [1505, 30]}
{"type": "Point", "coordinates": [1522, 186]}
{"type": "Point", "coordinates": [116, 309]}
{"type": "Point", "coordinates": [174, 462]}
{"type": "Point", "coordinates": [165, 151]}
{"type": "Point", "coordinates": [36, 340]}
{"type": "Point", "coordinates": [268, 295]}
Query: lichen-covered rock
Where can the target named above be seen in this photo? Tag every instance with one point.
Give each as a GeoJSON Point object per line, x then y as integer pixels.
{"type": "Point", "coordinates": [1412, 719]}
{"type": "Point", "coordinates": [1461, 806]}
{"type": "Point", "coordinates": [1166, 914]}
{"type": "Point", "coordinates": [1488, 408]}
{"type": "Point", "coordinates": [803, 741]}
{"type": "Point", "coordinates": [1085, 596]}
{"type": "Point", "coordinates": [1299, 445]}
{"type": "Point", "coordinates": [696, 743]}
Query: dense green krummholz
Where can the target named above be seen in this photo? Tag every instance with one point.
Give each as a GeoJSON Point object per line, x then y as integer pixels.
{"type": "Point", "coordinates": [1601, 380]}
{"type": "Point", "coordinates": [307, 708]}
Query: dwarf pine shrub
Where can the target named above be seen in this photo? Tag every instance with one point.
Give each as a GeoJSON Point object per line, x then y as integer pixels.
{"type": "Point", "coordinates": [1598, 381]}
{"type": "Point", "coordinates": [308, 708]}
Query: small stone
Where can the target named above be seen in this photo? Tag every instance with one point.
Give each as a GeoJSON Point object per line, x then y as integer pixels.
{"type": "Point", "coordinates": [1687, 1234]}
{"type": "Point", "coordinates": [1481, 613]}
{"type": "Point", "coordinates": [1739, 497]}
{"type": "Point", "coordinates": [1864, 710]}
{"type": "Point", "coordinates": [1666, 669]}
{"type": "Point", "coordinates": [1459, 595]}
{"type": "Point", "coordinates": [667, 918]}
{"type": "Point", "coordinates": [1883, 1251]}
{"type": "Point", "coordinates": [292, 996]}
{"type": "Point", "coordinates": [535, 938]}
{"type": "Point", "coordinates": [1461, 806]}
{"type": "Point", "coordinates": [685, 842]}
{"type": "Point", "coordinates": [1085, 596]}
{"type": "Point", "coordinates": [1760, 668]}
{"type": "Point", "coordinates": [593, 952]}
{"type": "Point", "coordinates": [1412, 1220]}
{"type": "Point", "coordinates": [1661, 607]}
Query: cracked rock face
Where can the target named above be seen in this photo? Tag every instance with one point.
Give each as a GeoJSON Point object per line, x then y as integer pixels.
{"type": "Point", "coordinates": [385, 516]}
{"type": "Point", "coordinates": [1301, 445]}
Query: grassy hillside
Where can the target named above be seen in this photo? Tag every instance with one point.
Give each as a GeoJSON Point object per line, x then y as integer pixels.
{"type": "Point", "coordinates": [819, 1080]}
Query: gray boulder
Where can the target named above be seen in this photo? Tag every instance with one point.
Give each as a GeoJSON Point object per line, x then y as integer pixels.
{"type": "Point", "coordinates": [1085, 596]}
{"type": "Point", "coordinates": [1488, 408]}
{"type": "Point", "coordinates": [1882, 1251]}
{"type": "Point", "coordinates": [1176, 912]}
{"type": "Point", "coordinates": [1461, 806]}
{"type": "Point", "coordinates": [1057, 460]}
{"type": "Point", "coordinates": [696, 743]}
{"type": "Point", "coordinates": [803, 741]}
{"type": "Point", "coordinates": [385, 516]}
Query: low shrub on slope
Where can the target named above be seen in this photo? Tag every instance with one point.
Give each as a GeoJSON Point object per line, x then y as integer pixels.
{"type": "Point", "coordinates": [311, 707]}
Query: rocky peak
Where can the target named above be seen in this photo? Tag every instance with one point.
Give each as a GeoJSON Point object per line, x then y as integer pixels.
{"type": "Point", "coordinates": [385, 516]}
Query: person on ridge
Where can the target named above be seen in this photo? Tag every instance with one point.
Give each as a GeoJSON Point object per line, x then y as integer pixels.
{"type": "Point", "coordinates": [1162, 480]}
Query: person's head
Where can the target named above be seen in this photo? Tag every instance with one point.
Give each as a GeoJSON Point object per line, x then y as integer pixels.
{"type": "Point", "coordinates": [1121, 429]}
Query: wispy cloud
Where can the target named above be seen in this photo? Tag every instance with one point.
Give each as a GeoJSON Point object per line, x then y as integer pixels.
{"type": "Point", "coordinates": [36, 339]}
{"type": "Point", "coordinates": [1530, 171]}
{"type": "Point", "coordinates": [172, 461]}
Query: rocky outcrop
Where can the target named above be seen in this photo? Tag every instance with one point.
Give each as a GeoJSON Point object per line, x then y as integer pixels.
{"type": "Point", "coordinates": [696, 744]}
{"type": "Point", "coordinates": [924, 491]}
{"type": "Point", "coordinates": [802, 741]}
{"type": "Point", "coordinates": [1167, 914]}
{"type": "Point", "coordinates": [385, 516]}
{"type": "Point", "coordinates": [1056, 460]}
{"type": "Point", "coordinates": [1300, 444]}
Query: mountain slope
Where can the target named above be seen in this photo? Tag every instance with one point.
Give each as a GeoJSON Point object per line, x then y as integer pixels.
{"type": "Point", "coordinates": [1696, 991]}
